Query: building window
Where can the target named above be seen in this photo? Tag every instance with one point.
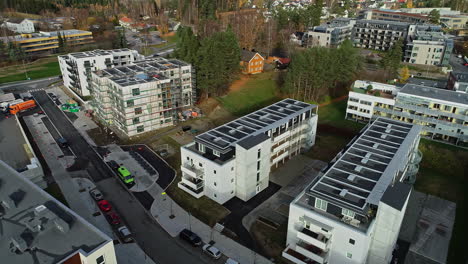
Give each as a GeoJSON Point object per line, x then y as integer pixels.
{"type": "Point", "coordinates": [140, 129]}
{"type": "Point", "coordinates": [258, 153]}
{"type": "Point", "coordinates": [349, 255]}
{"type": "Point", "coordinates": [201, 148]}
{"type": "Point", "coordinates": [188, 158]}
{"type": "Point", "coordinates": [232, 180]}
{"type": "Point", "coordinates": [258, 165]}
{"type": "Point", "coordinates": [100, 260]}
{"type": "Point", "coordinates": [138, 111]}
{"type": "Point", "coordinates": [232, 168]}
{"type": "Point", "coordinates": [130, 103]}
{"type": "Point", "coordinates": [320, 204]}
{"type": "Point", "coordinates": [136, 91]}
{"type": "Point", "coordinates": [215, 195]}
{"type": "Point", "coordinates": [216, 153]}
{"type": "Point", "coordinates": [200, 165]}
{"type": "Point", "coordinates": [347, 213]}
{"type": "Point", "coordinates": [258, 176]}
{"type": "Point", "coordinates": [136, 120]}
{"type": "Point", "coordinates": [214, 171]}
{"type": "Point", "coordinates": [214, 183]}
{"type": "Point", "coordinates": [352, 241]}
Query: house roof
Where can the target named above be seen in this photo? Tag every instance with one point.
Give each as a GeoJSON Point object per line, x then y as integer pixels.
{"type": "Point", "coordinates": [248, 55]}
{"type": "Point", "coordinates": [16, 20]}
{"type": "Point", "coordinates": [126, 20]}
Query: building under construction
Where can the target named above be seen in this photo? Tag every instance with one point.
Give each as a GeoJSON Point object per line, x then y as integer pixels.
{"type": "Point", "coordinates": [144, 96]}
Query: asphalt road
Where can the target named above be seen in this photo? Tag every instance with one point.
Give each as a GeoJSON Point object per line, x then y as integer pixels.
{"type": "Point", "coordinates": [149, 235]}
{"type": "Point", "coordinates": [457, 65]}
{"type": "Point", "coordinates": [24, 86]}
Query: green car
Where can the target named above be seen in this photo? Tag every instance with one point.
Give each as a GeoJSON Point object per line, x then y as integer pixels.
{"type": "Point", "coordinates": [125, 175]}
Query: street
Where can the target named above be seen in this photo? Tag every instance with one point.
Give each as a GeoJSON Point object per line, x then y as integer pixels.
{"type": "Point", "coordinates": [24, 86]}
{"type": "Point", "coordinates": [149, 235]}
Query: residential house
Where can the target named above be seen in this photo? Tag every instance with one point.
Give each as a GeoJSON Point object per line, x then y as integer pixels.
{"type": "Point", "coordinates": [19, 25]}
{"type": "Point", "coordinates": [125, 22]}
{"type": "Point", "coordinates": [251, 62]}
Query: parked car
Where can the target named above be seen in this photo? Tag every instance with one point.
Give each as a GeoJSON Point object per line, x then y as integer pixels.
{"type": "Point", "coordinates": [465, 64]}
{"type": "Point", "coordinates": [212, 251]}
{"type": "Point", "coordinates": [125, 234]}
{"type": "Point", "coordinates": [62, 142]}
{"type": "Point", "coordinates": [54, 97]}
{"type": "Point", "coordinates": [113, 218]}
{"type": "Point", "coordinates": [96, 194]}
{"type": "Point", "coordinates": [104, 205]}
{"type": "Point", "coordinates": [190, 237]}
{"type": "Point", "coordinates": [231, 261]}
{"type": "Point", "coordinates": [113, 164]}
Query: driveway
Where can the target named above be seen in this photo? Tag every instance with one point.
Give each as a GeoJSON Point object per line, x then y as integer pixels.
{"type": "Point", "coordinates": [148, 234]}
{"type": "Point", "coordinates": [239, 209]}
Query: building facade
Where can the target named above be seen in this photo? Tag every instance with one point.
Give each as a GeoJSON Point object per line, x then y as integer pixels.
{"type": "Point", "coordinates": [394, 15]}
{"type": "Point", "coordinates": [352, 213]}
{"type": "Point", "coordinates": [458, 81]}
{"type": "Point", "coordinates": [234, 160]}
{"type": "Point", "coordinates": [378, 35]}
{"type": "Point", "coordinates": [37, 228]}
{"type": "Point", "coordinates": [331, 34]}
{"type": "Point", "coordinates": [19, 25]}
{"type": "Point", "coordinates": [442, 113]}
{"type": "Point", "coordinates": [48, 41]}
{"type": "Point", "coordinates": [455, 21]}
{"type": "Point", "coordinates": [76, 67]}
{"type": "Point", "coordinates": [251, 62]}
{"type": "Point", "coordinates": [142, 96]}
{"type": "Point", "coordinates": [428, 45]}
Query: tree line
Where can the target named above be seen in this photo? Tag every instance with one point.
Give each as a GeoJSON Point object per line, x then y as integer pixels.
{"type": "Point", "coordinates": [316, 72]}
{"type": "Point", "coordinates": [215, 58]}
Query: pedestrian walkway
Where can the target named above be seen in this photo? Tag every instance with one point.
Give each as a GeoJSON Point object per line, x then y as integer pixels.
{"type": "Point", "coordinates": [174, 219]}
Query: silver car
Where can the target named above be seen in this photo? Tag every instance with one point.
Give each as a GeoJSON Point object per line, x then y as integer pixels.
{"type": "Point", "coordinates": [212, 251]}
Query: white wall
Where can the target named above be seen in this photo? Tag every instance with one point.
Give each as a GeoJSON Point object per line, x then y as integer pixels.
{"type": "Point", "coordinates": [361, 107]}
{"type": "Point", "coordinates": [388, 88]}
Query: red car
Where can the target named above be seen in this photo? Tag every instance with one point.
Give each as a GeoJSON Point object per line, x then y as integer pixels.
{"type": "Point", "coordinates": [465, 64]}
{"type": "Point", "coordinates": [113, 218]}
{"type": "Point", "coordinates": [104, 205]}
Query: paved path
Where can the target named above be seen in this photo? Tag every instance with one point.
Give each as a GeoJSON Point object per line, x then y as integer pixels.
{"type": "Point", "coordinates": [148, 234]}
{"type": "Point", "coordinates": [24, 86]}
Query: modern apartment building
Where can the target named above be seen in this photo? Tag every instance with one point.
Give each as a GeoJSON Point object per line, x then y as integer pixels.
{"type": "Point", "coordinates": [394, 15]}
{"type": "Point", "coordinates": [454, 21]}
{"type": "Point", "coordinates": [142, 96]}
{"type": "Point", "coordinates": [428, 45]}
{"type": "Point", "coordinates": [352, 213]}
{"type": "Point", "coordinates": [48, 41]}
{"type": "Point", "coordinates": [234, 160]}
{"type": "Point", "coordinates": [442, 113]}
{"type": "Point", "coordinates": [331, 34]}
{"type": "Point", "coordinates": [19, 25]}
{"type": "Point", "coordinates": [36, 228]}
{"type": "Point", "coordinates": [76, 67]}
{"type": "Point", "coordinates": [378, 35]}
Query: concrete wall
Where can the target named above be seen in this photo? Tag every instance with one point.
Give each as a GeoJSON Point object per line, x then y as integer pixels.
{"type": "Point", "coordinates": [364, 110]}
{"type": "Point", "coordinates": [427, 52]}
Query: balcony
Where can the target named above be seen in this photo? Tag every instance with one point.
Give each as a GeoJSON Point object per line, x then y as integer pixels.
{"type": "Point", "coordinates": [195, 193]}
{"type": "Point", "coordinates": [193, 183]}
{"type": "Point", "coordinates": [315, 239]}
{"type": "Point", "coordinates": [191, 170]}
{"type": "Point", "coordinates": [417, 157]}
{"type": "Point", "coordinates": [312, 252]}
{"type": "Point", "coordinates": [296, 257]}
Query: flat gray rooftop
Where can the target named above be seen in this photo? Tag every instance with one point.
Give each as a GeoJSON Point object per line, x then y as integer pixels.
{"type": "Point", "coordinates": [382, 22]}
{"type": "Point", "coordinates": [441, 84]}
{"type": "Point", "coordinates": [94, 53]}
{"type": "Point", "coordinates": [366, 168]}
{"type": "Point", "coordinates": [36, 228]}
{"type": "Point", "coordinates": [254, 123]}
{"type": "Point", "coordinates": [12, 142]}
{"type": "Point", "coordinates": [434, 93]}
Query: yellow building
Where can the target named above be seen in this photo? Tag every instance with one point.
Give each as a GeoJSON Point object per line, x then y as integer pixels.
{"type": "Point", "coordinates": [48, 41]}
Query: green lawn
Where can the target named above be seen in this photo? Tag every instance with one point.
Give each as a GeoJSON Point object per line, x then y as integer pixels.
{"type": "Point", "coordinates": [443, 174]}
{"type": "Point", "coordinates": [334, 115]}
{"type": "Point", "coordinates": [170, 40]}
{"type": "Point", "coordinates": [259, 91]}
{"type": "Point", "coordinates": [35, 71]}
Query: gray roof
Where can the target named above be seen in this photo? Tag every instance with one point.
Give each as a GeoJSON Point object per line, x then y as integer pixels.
{"type": "Point", "coordinates": [36, 228]}
{"type": "Point", "coordinates": [460, 76]}
{"type": "Point", "coordinates": [434, 93]}
{"type": "Point", "coordinates": [253, 141]}
{"type": "Point", "coordinates": [366, 168]}
{"type": "Point", "coordinates": [396, 195]}
{"type": "Point", "coordinates": [442, 84]}
{"type": "Point", "coordinates": [258, 122]}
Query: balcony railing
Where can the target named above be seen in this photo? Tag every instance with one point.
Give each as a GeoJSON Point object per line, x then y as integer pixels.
{"type": "Point", "coordinates": [316, 239]}
{"type": "Point", "coordinates": [312, 252]}
{"type": "Point", "coordinates": [195, 193]}
{"type": "Point", "coordinates": [191, 170]}
{"type": "Point", "coordinates": [296, 257]}
{"type": "Point", "coordinates": [193, 183]}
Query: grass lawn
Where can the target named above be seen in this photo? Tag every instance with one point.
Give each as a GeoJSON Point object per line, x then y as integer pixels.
{"type": "Point", "coordinates": [443, 174]}
{"type": "Point", "coordinates": [36, 70]}
{"type": "Point", "coordinates": [334, 115]}
{"type": "Point", "coordinates": [171, 39]}
{"type": "Point", "coordinates": [54, 190]}
{"type": "Point", "coordinates": [327, 145]}
{"type": "Point", "coordinates": [260, 90]}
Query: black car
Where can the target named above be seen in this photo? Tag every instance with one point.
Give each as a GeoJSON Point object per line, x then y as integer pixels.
{"type": "Point", "coordinates": [62, 142]}
{"type": "Point", "coordinates": [113, 164]}
{"type": "Point", "coordinates": [190, 237]}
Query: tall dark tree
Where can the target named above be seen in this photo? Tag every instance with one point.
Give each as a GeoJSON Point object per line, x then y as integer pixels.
{"type": "Point", "coordinates": [434, 16]}
{"type": "Point", "coordinates": [391, 61]}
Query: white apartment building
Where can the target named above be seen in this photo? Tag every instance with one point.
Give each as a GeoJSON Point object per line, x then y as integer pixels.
{"type": "Point", "coordinates": [352, 213]}
{"type": "Point", "coordinates": [234, 160]}
{"type": "Point", "coordinates": [142, 96]}
{"type": "Point", "coordinates": [36, 228]}
{"type": "Point", "coordinates": [441, 112]}
{"type": "Point", "coordinates": [331, 34]}
{"type": "Point", "coordinates": [77, 67]}
{"type": "Point", "coordinates": [428, 45]}
{"type": "Point", "coordinates": [19, 25]}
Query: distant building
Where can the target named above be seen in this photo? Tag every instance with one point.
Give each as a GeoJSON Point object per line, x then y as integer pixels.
{"type": "Point", "coordinates": [454, 21]}
{"type": "Point", "coordinates": [235, 159]}
{"type": "Point", "coordinates": [36, 228]}
{"type": "Point", "coordinates": [331, 34]}
{"type": "Point", "coordinates": [353, 211]}
{"type": "Point", "coordinates": [377, 34]}
{"type": "Point", "coordinates": [428, 45]}
{"type": "Point", "coordinates": [394, 15]}
{"type": "Point", "coordinates": [125, 22]}
{"type": "Point", "coordinates": [76, 67]}
{"type": "Point", "coordinates": [19, 25]}
{"type": "Point", "coordinates": [251, 62]}
{"type": "Point", "coordinates": [458, 81]}
{"type": "Point", "coordinates": [426, 10]}
{"type": "Point", "coordinates": [48, 41]}
{"type": "Point", "coordinates": [142, 96]}
{"type": "Point", "coordinates": [296, 38]}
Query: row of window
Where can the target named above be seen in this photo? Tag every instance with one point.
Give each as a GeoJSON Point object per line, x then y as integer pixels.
{"type": "Point", "coordinates": [322, 205]}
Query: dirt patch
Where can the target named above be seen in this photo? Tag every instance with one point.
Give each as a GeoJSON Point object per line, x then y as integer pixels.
{"type": "Point", "coordinates": [238, 84]}
{"type": "Point", "coordinates": [271, 242]}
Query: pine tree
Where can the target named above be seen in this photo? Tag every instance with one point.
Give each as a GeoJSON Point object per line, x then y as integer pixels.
{"type": "Point", "coordinates": [60, 42]}
{"type": "Point", "coordinates": [391, 61]}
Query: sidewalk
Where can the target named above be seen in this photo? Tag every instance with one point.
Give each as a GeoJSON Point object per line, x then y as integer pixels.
{"type": "Point", "coordinates": [163, 206]}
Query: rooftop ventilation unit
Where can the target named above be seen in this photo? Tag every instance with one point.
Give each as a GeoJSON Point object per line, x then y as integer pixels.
{"type": "Point", "coordinates": [358, 168]}
{"type": "Point", "coordinates": [364, 160]}
{"type": "Point", "coordinates": [232, 131]}
{"type": "Point", "coordinates": [281, 109]}
{"type": "Point", "coordinates": [343, 192]}
{"type": "Point", "coordinates": [18, 244]}
{"type": "Point", "coordinates": [351, 177]}
{"type": "Point", "coordinates": [375, 146]}
{"type": "Point", "coordinates": [383, 136]}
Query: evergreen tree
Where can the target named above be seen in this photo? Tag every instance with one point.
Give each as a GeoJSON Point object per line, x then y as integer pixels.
{"type": "Point", "coordinates": [434, 16]}
{"type": "Point", "coordinates": [317, 12]}
{"type": "Point", "coordinates": [61, 43]}
{"type": "Point", "coordinates": [392, 59]}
